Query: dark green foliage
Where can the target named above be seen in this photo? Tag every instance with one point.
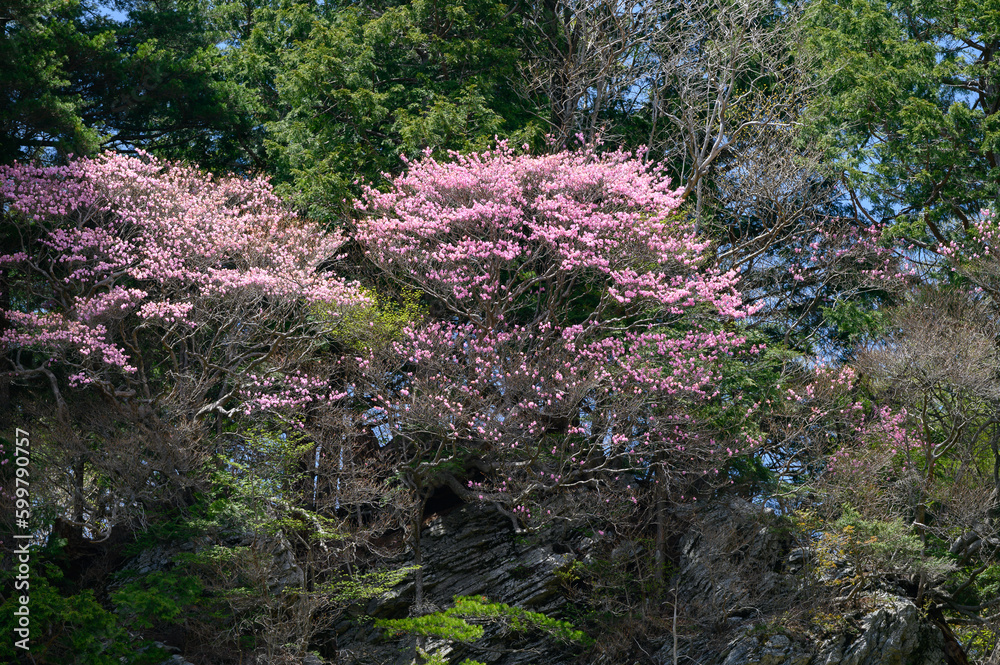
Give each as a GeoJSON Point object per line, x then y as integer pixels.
{"type": "Point", "coordinates": [856, 322]}
{"type": "Point", "coordinates": [316, 95]}
{"type": "Point", "coordinates": [159, 597]}
{"type": "Point", "coordinates": [69, 626]}
{"type": "Point", "coordinates": [43, 100]}
{"type": "Point", "coordinates": [909, 114]}
{"type": "Point", "coordinates": [367, 84]}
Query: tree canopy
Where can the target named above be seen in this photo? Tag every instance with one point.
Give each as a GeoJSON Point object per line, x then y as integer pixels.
{"type": "Point", "coordinates": [314, 269]}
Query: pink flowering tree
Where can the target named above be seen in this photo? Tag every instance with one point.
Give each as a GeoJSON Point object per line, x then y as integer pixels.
{"type": "Point", "coordinates": [574, 329]}
{"type": "Point", "coordinates": [175, 298]}
{"type": "Point", "coordinates": [930, 371]}
{"type": "Point", "coordinates": [938, 428]}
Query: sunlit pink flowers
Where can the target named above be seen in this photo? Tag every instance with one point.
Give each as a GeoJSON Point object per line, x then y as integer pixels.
{"type": "Point", "coordinates": [116, 245]}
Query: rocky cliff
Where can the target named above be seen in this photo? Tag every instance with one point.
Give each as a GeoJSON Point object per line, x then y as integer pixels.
{"type": "Point", "coordinates": [747, 593]}
{"type": "Point", "coordinates": [738, 582]}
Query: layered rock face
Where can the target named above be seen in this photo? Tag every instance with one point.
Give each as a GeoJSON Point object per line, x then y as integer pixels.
{"type": "Point", "coordinates": [894, 634]}
{"type": "Point", "coordinates": [738, 573]}
{"type": "Point", "coordinates": [742, 589]}
{"type": "Point", "coordinates": [474, 551]}
{"type": "Point", "coordinates": [736, 569]}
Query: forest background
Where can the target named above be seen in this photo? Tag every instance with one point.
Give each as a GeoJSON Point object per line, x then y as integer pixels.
{"type": "Point", "coordinates": [749, 244]}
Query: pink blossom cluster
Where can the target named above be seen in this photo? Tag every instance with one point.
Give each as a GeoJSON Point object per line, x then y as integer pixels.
{"type": "Point", "coordinates": [888, 430]}
{"type": "Point", "coordinates": [55, 332]}
{"type": "Point", "coordinates": [294, 391]}
{"type": "Point", "coordinates": [512, 245]}
{"type": "Point", "coordinates": [831, 250]}
{"type": "Point", "coordinates": [581, 320]}
{"type": "Point", "coordinates": [165, 224]}
{"type": "Point", "coordinates": [117, 246]}
{"type": "Point", "coordinates": [868, 440]}
{"type": "Point", "coordinates": [493, 386]}
{"type": "Point", "coordinates": [975, 252]}
{"type": "Point", "coordinates": [485, 230]}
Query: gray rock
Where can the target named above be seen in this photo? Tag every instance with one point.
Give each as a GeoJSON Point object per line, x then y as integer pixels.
{"type": "Point", "coordinates": [776, 650]}
{"type": "Point", "coordinates": [729, 562]}
{"type": "Point", "coordinates": [286, 571]}
{"type": "Point", "coordinates": [472, 551]}
{"type": "Point", "coordinates": [893, 634]}
{"type": "Point", "coordinates": [176, 660]}
{"type": "Point", "coordinates": [736, 571]}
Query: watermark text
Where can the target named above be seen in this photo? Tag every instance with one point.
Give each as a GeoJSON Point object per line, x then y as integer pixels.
{"type": "Point", "coordinates": [22, 557]}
